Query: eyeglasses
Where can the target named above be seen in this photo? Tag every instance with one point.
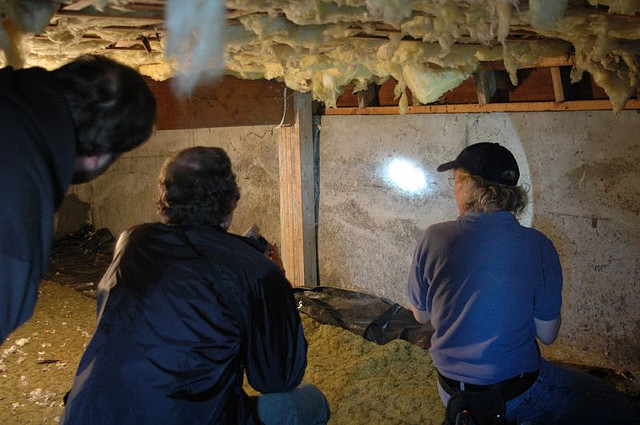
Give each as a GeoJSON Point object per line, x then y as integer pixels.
{"type": "Point", "coordinates": [452, 181]}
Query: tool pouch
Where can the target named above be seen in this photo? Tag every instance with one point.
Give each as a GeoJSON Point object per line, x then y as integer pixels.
{"type": "Point", "coordinates": [475, 408]}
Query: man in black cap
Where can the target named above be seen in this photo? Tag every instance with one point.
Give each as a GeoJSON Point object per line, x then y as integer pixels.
{"type": "Point", "coordinates": [492, 288]}
{"type": "Point", "coordinates": [58, 128]}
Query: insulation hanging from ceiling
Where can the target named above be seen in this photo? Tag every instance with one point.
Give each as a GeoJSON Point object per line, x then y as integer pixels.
{"type": "Point", "coordinates": [322, 46]}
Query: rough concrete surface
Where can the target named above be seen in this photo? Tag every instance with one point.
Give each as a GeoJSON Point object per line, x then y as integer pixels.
{"type": "Point", "coordinates": [582, 168]}
{"type": "Point", "coordinates": [126, 195]}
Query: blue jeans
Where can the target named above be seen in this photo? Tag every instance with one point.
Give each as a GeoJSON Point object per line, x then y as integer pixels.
{"type": "Point", "coordinates": [565, 396]}
{"type": "Point", "coordinates": [305, 405]}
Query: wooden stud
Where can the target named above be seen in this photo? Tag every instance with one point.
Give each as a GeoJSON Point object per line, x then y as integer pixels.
{"type": "Point", "coordinates": [297, 212]}
{"type": "Point", "coordinates": [556, 78]}
{"type": "Point", "coordinates": [486, 86]}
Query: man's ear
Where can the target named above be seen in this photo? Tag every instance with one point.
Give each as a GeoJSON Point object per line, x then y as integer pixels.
{"type": "Point", "coordinates": [88, 167]}
{"type": "Point", "coordinates": [92, 162]}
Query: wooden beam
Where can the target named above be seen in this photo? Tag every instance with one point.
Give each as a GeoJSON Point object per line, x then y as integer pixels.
{"type": "Point", "coordinates": [159, 33]}
{"type": "Point", "coordinates": [120, 18]}
{"type": "Point", "coordinates": [534, 85]}
{"type": "Point", "coordinates": [78, 5]}
{"type": "Point", "coordinates": [558, 89]}
{"type": "Point", "coordinates": [236, 13]}
{"type": "Point", "coordinates": [540, 63]}
{"type": "Point", "coordinates": [297, 198]}
{"type": "Point", "coordinates": [486, 86]}
{"type": "Point", "coordinates": [224, 103]}
{"type": "Point", "coordinates": [142, 6]}
{"type": "Point", "coordinates": [573, 105]}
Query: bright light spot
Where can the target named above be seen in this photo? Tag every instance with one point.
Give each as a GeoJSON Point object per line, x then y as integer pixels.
{"type": "Point", "coordinates": [406, 175]}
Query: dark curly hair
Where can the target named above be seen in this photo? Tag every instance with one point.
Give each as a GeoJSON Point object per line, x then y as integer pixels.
{"type": "Point", "coordinates": [197, 186]}
{"type": "Point", "coordinates": [112, 107]}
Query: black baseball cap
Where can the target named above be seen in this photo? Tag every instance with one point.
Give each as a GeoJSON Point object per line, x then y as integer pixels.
{"type": "Point", "coordinates": [490, 161]}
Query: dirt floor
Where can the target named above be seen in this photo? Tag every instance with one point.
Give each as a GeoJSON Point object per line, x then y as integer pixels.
{"type": "Point", "coordinates": [38, 361]}
{"type": "Point", "coordinates": [365, 383]}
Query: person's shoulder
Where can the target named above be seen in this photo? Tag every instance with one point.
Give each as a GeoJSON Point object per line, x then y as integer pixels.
{"type": "Point", "coordinates": [28, 78]}
{"type": "Point", "coordinates": [10, 70]}
{"type": "Point", "coordinates": [25, 86]}
{"type": "Point", "coordinates": [439, 233]}
{"type": "Point", "coordinates": [216, 239]}
{"type": "Point", "coordinates": [442, 227]}
{"type": "Point", "coordinates": [251, 255]}
{"type": "Point", "coordinates": [245, 243]}
{"type": "Point", "coordinates": [146, 229]}
{"type": "Point", "coordinates": [6, 72]}
{"type": "Point", "coordinates": [144, 232]}
{"type": "Point", "coordinates": [536, 235]}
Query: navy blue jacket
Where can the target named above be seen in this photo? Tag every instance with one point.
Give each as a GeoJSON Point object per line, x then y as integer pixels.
{"type": "Point", "coordinates": [37, 159]}
{"type": "Point", "coordinates": [168, 349]}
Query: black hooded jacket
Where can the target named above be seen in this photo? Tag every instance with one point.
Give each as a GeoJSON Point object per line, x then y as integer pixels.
{"type": "Point", "coordinates": [37, 160]}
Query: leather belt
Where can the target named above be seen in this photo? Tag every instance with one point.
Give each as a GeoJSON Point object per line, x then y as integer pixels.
{"type": "Point", "coordinates": [510, 388]}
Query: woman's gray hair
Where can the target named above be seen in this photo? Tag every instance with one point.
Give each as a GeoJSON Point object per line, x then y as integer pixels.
{"type": "Point", "coordinates": [484, 196]}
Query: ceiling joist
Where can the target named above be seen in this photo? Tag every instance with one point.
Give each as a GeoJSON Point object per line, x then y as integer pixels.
{"type": "Point", "coordinates": [327, 47]}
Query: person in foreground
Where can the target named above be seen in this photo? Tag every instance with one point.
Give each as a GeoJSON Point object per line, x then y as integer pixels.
{"type": "Point", "coordinates": [492, 288]}
{"type": "Point", "coordinates": [58, 128]}
{"type": "Point", "coordinates": [185, 309]}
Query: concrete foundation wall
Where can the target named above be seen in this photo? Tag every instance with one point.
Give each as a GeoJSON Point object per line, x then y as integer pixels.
{"type": "Point", "coordinates": [583, 170]}
{"type": "Point", "coordinates": [126, 194]}
{"type": "Point", "coordinates": [584, 173]}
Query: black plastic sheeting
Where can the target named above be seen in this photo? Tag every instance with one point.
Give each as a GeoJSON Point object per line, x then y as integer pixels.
{"type": "Point", "coordinates": [380, 320]}
{"type": "Point", "coordinates": [80, 259]}
{"type": "Point", "coordinates": [374, 318]}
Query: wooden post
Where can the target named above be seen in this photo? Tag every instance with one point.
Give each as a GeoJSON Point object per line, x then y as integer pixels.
{"type": "Point", "coordinates": [297, 212]}
{"type": "Point", "coordinates": [556, 79]}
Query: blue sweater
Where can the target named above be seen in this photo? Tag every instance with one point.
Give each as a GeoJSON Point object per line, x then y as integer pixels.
{"type": "Point", "coordinates": [482, 279]}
